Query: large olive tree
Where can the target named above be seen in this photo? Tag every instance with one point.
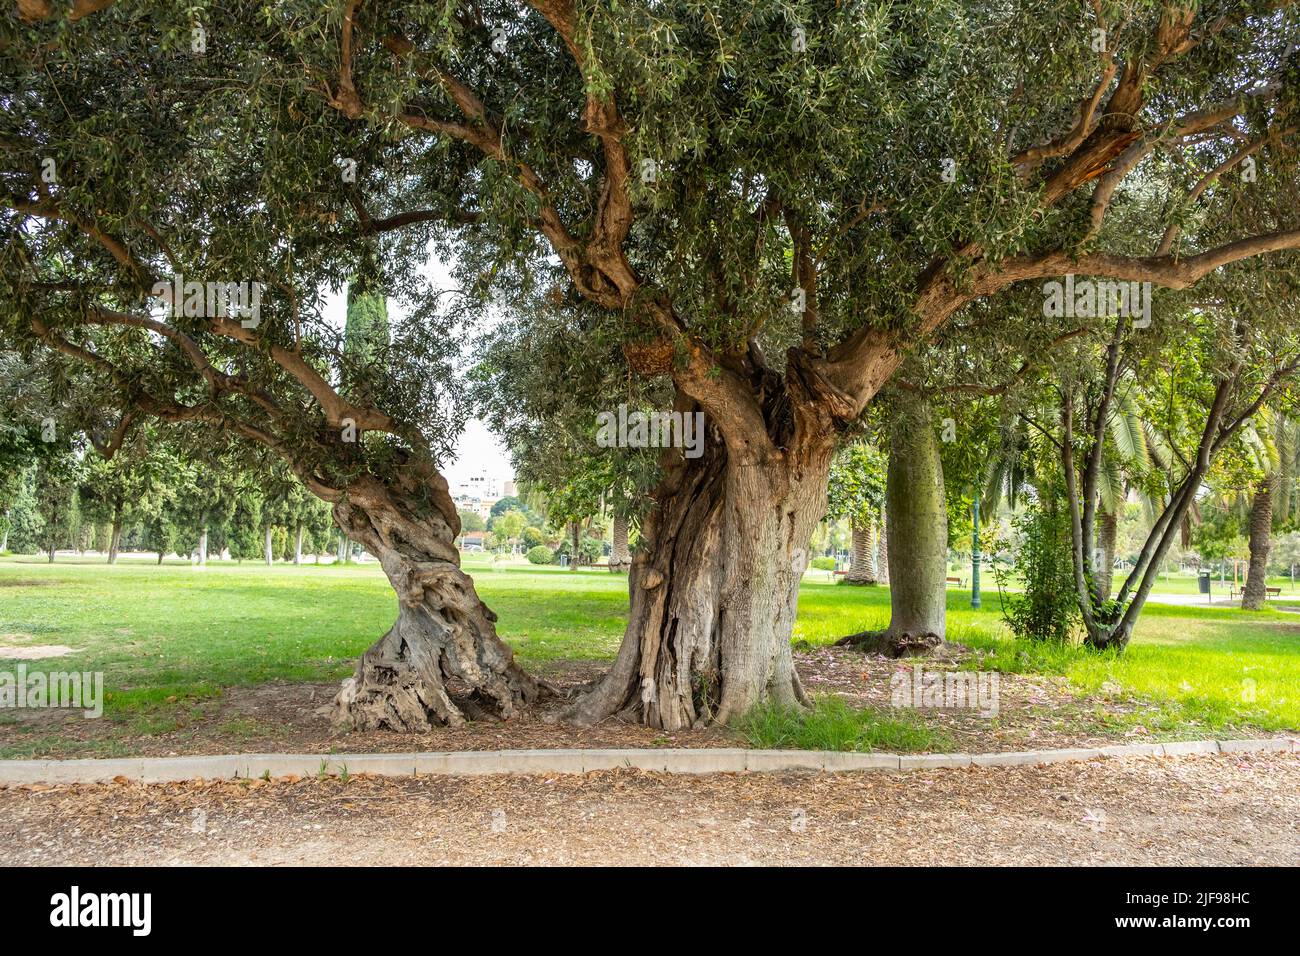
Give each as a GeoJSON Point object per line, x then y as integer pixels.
{"type": "Point", "coordinates": [144, 151]}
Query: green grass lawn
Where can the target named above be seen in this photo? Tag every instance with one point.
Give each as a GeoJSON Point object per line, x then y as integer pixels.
{"type": "Point", "coordinates": [171, 636]}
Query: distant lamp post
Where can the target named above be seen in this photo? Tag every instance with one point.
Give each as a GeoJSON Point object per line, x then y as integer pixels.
{"type": "Point", "coordinates": [975, 552]}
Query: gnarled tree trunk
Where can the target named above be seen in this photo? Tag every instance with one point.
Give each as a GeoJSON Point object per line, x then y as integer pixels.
{"type": "Point", "coordinates": [1255, 592]}
{"type": "Point", "coordinates": [620, 558]}
{"type": "Point", "coordinates": [714, 587]}
{"type": "Point", "coordinates": [442, 660]}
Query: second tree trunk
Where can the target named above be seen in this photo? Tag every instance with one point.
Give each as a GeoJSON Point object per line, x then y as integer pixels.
{"type": "Point", "coordinates": [1261, 527]}
{"type": "Point", "coordinates": [714, 588]}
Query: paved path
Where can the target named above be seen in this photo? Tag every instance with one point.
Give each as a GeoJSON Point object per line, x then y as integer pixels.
{"type": "Point", "coordinates": [1287, 602]}
{"type": "Point", "coordinates": [1215, 809]}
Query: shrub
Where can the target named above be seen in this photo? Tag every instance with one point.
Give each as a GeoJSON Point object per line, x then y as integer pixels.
{"type": "Point", "coordinates": [541, 555]}
{"type": "Point", "coordinates": [824, 564]}
{"type": "Point", "coordinates": [1048, 609]}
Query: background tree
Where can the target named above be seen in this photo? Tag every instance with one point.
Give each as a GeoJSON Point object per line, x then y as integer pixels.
{"type": "Point", "coordinates": [509, 526]}
{"type": "Point", "coordinates": [471, 521]}
{"type": "Point", "coordinates": [1229, 373]}
{"type": "Point", "coordinates": [121, 490]}
{"type": "Point", "coordinates": [1276, 439]}
{"type": "Point", "coordinates": [58, 474]}
{"type": "Point", "coordinates": [857, 494]}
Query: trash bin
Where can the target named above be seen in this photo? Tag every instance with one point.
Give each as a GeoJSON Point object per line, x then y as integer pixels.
{"type": "Point", "coordinates": [1203, 580]}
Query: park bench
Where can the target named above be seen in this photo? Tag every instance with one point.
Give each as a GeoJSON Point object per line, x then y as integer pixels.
{"type": "Point", "coordinates": [1235, 592]}
{"type": "Point", "coordinates": [960, 582]}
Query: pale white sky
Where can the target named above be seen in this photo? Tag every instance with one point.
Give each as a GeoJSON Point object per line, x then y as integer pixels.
{"type": "Point", "coordinates": [478, 450]}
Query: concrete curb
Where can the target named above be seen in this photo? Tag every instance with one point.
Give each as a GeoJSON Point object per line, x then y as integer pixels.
{"type": "Point", "coordinates": [468, 762]}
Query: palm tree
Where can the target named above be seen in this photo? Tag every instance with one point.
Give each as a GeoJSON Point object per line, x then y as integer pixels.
{"type": "Point", "coordinates": [1270, 447]}
{"type": "Point", "coordinates": [1275, 443]}
{"type": "Point", "coordinates": [1136, 448]}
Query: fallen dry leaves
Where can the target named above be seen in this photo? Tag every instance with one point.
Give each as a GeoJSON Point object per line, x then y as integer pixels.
{"type": "Point", "coordinates": [1175, 811]}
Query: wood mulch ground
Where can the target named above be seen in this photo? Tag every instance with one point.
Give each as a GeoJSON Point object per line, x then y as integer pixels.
{"type": "Point", "coordinates": [1035, 713]}
{"type": "Point", "coordinates": [1223, 809]}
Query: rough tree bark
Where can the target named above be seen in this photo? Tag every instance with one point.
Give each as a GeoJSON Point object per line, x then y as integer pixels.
{"type": "Point", "coordinates": [620, 558]}
{"type": "Point", "coordinates": [882, 547]}
{"type": "Point", "coordinates": [863, 568]}
{"type": "Point", "coordinates": [918, 533]}
{"type": "Point", "coordinates": [714, 584]}
{"type": "Point", "coordinates": [442, 661]}
{"type": "Point", "coordinates": [1254, 595]}
{"type": "Point", "coordinates": [1107, 532]}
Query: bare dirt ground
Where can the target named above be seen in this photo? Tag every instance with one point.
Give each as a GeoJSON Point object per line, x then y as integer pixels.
{"type": "Point", "coordinates": [1154, 811]}
{"type": "Point", "coordinates": [1035, 713]}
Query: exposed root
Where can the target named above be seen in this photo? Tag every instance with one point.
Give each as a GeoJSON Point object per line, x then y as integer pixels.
{"type": "Point", "coordinates": [888, 644]}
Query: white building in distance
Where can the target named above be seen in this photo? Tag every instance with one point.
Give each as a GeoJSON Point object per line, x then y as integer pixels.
{"type": "Point", "coordinates": [479, 492]}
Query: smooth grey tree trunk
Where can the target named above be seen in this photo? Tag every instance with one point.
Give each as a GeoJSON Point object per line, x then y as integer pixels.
{"type": "Point", "coordinates": [267, 549]}
{"type": "Point", "coordinates": [115, 536]}
{"type": "Point", "coordinates": [917, 533]}
{"type": "Point", "coordinates": [918, 530]}
{"type": "Point", "coordinates": [1254, 594]}
{"type": "Point", "coordinates": [297, 545]}
{"type": "Point", "coordinates": [203, 547]}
